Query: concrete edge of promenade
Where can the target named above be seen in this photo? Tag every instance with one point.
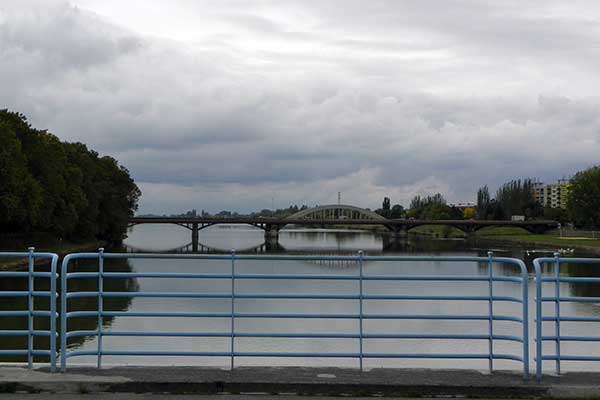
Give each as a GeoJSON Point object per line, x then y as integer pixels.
{"type": "Point", "coordinates": [301, 381]}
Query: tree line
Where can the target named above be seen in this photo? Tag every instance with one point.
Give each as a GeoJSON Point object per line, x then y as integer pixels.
{"type": "Point", "coordinates": [63, 189]}
{"type": "Point", "coordinates": [421, 207]}
{"type": "Point", "coordinates": [512, 198]}
{"type": "Point", "coordinates": [515, 197]}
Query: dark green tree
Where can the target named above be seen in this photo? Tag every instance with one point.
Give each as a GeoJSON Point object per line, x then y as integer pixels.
{"type": "Point", "coordinates": [483, 203]}
{"type": "Point", "coordinates": [60, 188]}
{"type": "Point", "coordinates": [20, 194]}
{"type": "Point", "coordinates": [397, 211]}
{"type": "Point", "coordinates": [583, 202]}
{"type": "Point", "coordinates": [432, 208]}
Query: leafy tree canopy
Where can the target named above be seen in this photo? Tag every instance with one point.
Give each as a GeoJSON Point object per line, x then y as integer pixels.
{"type": "Point", "coordinates": [583, 201]}
{"type": "Point", "coordinates": [60, 188]}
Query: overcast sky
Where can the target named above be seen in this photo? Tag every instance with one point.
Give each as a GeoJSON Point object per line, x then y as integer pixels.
{"type": "Point", "coordinates": [229, 104]}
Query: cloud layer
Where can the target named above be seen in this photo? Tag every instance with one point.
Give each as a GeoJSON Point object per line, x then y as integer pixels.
{"type": "Point", "coordinates": [214, 106]}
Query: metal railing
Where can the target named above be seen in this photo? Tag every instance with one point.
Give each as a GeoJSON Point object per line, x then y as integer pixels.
{"type": "Point", "coordinates": [360, 296]}
{"type": "Point", "coordinates": [31, 312]}
{"type": "Point", "coordinates": [558, 317]}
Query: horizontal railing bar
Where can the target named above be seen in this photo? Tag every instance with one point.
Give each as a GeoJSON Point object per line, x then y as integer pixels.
{"type": "Point", "coordinates": [23, 274]}
{"type": "Point", "coordinates": [288, 257]}
{"type": "Point", "coordinates": [571, 319]}
{"type": "Point", "coordinates": [572, 299]}
{"type": "Point", "coordinates": [292, 355]}
{"type": "Point", "coordinates": [37, 293]}
{"type": "Point", "coordinates": [450, 298]}
{"type": "Point", "coordinates": [24, 333]}
{"type": "Point", "coordinates": [79, 314]}
{"type": "Point", "coordinates": [27, 254]}
{"type": "Point", "coordinates": [573, 338]}
{"type": "Point", "coordinates": [466, 278]}
{"type": "Point", "coordinates": [151, 294]}
{"type": "Point", "coordinates": [295, 335]}
{"type": "Point", "coordinates": [571, 358]}
{"type": "Point", "coordinates": [35, 352]}
{"type": "Point", "coordinates": [297, 296]}
{"type": "Point", "coordinates": [443, 317]}
{"type": "Point", "coordinates": [572, 280]}
{"type": "Point", "coordinates": [26, 313]}
{"type": "Point", "coordinates": [574, 260]}
{"type": "Point", "coordinates": [75, 314]}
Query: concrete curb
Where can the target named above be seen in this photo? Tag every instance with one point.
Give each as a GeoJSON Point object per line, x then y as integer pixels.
{"type": "Point", "coordinates": [300, 381]}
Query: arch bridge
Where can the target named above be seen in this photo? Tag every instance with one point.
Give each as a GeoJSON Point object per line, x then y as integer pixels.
{"type": "Point", "coordinates": [337, 214]}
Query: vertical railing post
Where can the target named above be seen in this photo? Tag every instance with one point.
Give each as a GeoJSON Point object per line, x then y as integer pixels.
{"type": "Point", "coordinates": [538, 320]}
{"type": "Point", "coordinates": [525, 316]}
{"type": "Point", "coordinates": [232, 308]}
{"type": "Point", "coordinates": [53, 315]}
{"type": "Point", "coordinates": [557, 308]}
{"type": "Point", "coordinates": [100, 302]}
{"type": "Point", "coordinates": [30, 307]}
{"type": "Point", "coordinates": [491, 310]}
{"type": "Point", "coordinates": [63, 314]}
{"type": "Point", "coordinates": [360, 311]}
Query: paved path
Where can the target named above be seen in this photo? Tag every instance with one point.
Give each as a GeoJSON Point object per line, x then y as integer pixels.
{"type": "Point", "coordinates": [299, 381]}
{"type": "Point", "coordinates": [133, 396]}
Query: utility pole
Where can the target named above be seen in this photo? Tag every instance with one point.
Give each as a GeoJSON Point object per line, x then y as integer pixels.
{"type": "Point", "coordinates": [339, 198]}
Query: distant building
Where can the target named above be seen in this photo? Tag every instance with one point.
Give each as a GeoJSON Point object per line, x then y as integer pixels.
{"type": "Point", "coordinates": [463, 206]}
{"type": "Point", "coordinates": [468, 209]}
{"type": "Point", "coordinates": [553, 195]}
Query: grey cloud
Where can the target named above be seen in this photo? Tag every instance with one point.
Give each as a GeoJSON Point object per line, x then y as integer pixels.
{"type": "Point", "coordinates": [376, 98]}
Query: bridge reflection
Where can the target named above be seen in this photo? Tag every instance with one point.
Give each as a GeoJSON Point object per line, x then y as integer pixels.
{"type": "Point", "coordinates": [344, 245]}
{"type": "Point", "coordinates": [200, 248]}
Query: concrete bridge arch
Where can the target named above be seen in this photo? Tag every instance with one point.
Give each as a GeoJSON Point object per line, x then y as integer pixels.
{"type": "Point", "coordinates": [336, 211]}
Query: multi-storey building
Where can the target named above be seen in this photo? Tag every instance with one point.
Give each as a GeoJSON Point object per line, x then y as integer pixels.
{"type": "Point", "coordinates": [539, 192]}
{"type": "Point", "coordinates": [553, 195]}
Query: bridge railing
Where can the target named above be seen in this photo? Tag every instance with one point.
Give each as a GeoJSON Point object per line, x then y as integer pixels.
{"type": "Point", "coordinates": [21, 308]}
{"type": "Point", "coordinates": [360, 296]}
{"type": "Point", "coordinates": [557, 316]}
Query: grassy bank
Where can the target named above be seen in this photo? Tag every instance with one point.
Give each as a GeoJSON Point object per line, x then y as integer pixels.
{"type": "Point", "coordinates": [511, 235]}
{"type": "Point", "coordinates": [588, 245]}
{"type": "Point", "coordinates": [520, 236]}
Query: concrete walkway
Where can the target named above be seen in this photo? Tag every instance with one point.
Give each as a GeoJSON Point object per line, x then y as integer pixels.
{"type": "Point", "coordinates": [299, 381]}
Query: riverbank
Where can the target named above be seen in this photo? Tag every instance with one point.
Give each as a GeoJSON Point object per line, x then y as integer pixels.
{"type": "Point", "coordinates": [586, 245]}
{"type": "Point", "coordinates": [61, 249]}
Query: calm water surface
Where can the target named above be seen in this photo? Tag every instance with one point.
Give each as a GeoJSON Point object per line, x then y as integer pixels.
{"type": "Point", "coordinates": [219, 239]}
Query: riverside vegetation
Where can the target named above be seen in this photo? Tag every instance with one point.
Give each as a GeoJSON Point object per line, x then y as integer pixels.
{"type": "Point", "coordinates": [59, 189]}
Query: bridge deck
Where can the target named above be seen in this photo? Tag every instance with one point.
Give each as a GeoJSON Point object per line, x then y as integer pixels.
{"type": "Point", "coordinates": [386, 222]}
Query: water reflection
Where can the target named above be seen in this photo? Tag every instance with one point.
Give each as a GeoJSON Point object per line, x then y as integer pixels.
{"type": "Point", "coordinates": [78, 304]}
{"type": "Point", "coordinates": [91, 303]}
{"type": "Point", "coordinates": [21, 323]}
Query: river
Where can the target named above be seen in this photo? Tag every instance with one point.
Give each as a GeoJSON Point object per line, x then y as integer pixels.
{"type": "Point", "coordinates": [218, 239]}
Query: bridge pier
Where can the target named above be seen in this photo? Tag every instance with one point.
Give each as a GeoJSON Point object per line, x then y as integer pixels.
{"type": "Point", "coordinates": [195, 231]}
{"type": "Point", "coordinates": [272, 234]}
